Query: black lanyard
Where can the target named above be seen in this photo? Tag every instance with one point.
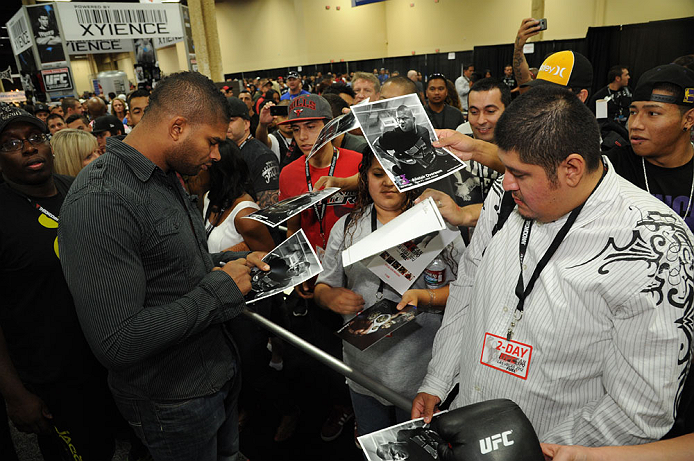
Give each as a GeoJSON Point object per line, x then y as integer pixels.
{"type": "Point", "coordinates": [320, 214]}
{"type": "Point", "coordinates": [36, 206]}
{"type": "Point", "coordinates": [374, 225]}
{"type": "Point", "coordinates": [521, 293]}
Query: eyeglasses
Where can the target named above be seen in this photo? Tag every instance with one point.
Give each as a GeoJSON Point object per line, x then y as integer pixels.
{"type": "Point", "coordinates": [436, 75]}
{"type": "Point", "coordinates": [16, 144]}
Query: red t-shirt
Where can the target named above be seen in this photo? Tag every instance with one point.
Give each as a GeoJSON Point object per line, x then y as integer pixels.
{"type": "Point", "coordinates": [293, 183]}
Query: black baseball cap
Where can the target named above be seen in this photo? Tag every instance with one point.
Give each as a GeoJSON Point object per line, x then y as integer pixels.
{"type": "Point", "coordinates": [41, 108]}
{"type": "Point", "coordinates": [108, 123]}
{"type": "Point", "coordinates": [238, 108]}
{"type": "Point", "coordinates": [11, 114]}
{"type": "Point", "coordinates": [673, 74]}
{"type": "Point", "coordinates": [293, 74]}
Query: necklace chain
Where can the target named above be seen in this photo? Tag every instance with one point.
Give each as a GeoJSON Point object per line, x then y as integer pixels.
{"type": "Point", "coordinates": [691, 192]}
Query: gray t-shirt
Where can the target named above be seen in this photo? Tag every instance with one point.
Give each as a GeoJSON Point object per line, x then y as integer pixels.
{"type": "Point", "coordinates": [398, 361]}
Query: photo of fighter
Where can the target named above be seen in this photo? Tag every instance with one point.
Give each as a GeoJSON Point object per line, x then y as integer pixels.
{"type": "Point", "coordinates": [291, 263]}
{"type": "Point", "coordinates": [401, 135]}
{"type": "Point", "coordinates": [281, 211]}
{"type": "Point", "coordinates": [375, 323]}
{"type": "Point", "coordinates": [45, 29]}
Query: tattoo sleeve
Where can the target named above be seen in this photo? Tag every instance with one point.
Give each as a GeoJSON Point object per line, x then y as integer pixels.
{"type": "Point", "coordinates": [267, 198]}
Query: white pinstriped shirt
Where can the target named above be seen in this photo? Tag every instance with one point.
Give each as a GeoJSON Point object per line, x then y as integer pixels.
{"type": "Point", "coordinates": [610, 319]}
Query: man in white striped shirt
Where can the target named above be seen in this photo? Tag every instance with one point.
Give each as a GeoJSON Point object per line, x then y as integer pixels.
{"type": "Point", "coordinates": [578, 308]}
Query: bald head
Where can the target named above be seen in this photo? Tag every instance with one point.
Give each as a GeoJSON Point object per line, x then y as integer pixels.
{"type": "Point", "coordinates": [96, 107]}
{"type": "Point", "coordinates": [397, 86]}
{"type": "Point", "coordinates": [412, 75]}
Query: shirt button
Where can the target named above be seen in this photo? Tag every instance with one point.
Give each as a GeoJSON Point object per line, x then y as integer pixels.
{"type": "Point", "coordinates": [505, 309]}
{"type": "Point", "coordinates": [477, 388]}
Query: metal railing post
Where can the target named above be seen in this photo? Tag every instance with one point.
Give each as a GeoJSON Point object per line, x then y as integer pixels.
{"type": "Point", "coordinates": [327, 359]}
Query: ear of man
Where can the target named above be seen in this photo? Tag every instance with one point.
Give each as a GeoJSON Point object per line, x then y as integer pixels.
{"type": "Point", "coordinates": [177, 127]}
{"type": "Point", "coordinates": [572, 170]}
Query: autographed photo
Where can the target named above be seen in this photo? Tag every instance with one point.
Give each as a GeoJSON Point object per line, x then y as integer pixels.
{"type": "Point", "coordinates": [291, 263]}
{"type": "Point", "coordinates": [411, 440]}
{"type": "Point", "coordinates": [400, 135]}
{"type": "Point", "coordinates": [276, 214]}
{"type": "Point", "coordinates": [373, 324]}
{"type": "Point", "coordinates": [332, 130]}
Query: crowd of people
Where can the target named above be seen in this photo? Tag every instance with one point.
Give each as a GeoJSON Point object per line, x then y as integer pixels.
{"type": "Point", "coordinates": [570, 289]}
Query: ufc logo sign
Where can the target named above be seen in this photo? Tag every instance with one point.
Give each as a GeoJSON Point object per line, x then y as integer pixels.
{"type": "Point", "coordinates": [489, 444]}
{"type": "Point", "coordinates": [57, 80]}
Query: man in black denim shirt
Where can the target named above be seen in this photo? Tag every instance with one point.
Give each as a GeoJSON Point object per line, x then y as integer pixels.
{"type": "Point", "coordinates": [150, 299]}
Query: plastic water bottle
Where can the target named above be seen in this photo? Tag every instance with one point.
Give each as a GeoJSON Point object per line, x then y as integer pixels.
{"type": "Point", "coordinates": [435, 274]}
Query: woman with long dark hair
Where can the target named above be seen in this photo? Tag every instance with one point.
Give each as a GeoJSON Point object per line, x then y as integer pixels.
{"type": "Point", "coordinates": [230, 198]}
{"type": "Point", "coordinates": [398, 361]}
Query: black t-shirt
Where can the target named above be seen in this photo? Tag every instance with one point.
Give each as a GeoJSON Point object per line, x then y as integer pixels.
{"type": "Point", "coordinates": [262, 164]}
{"type": "Point", "coordinates": [400, 141]}
{"type": "Point", "coordinates": [671, 186]}
{"type": "Point", "coordinates": [510, 82]}
{"type": "Point", "coordinates": [449, 118]}
{"type": "Point", "coordinates": [37, 313]}
{"type": "Point", "coordinates": [618, 103]}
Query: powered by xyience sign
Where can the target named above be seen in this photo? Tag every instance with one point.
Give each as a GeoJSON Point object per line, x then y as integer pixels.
{"type": "Point", "coordinates": [106, 21]}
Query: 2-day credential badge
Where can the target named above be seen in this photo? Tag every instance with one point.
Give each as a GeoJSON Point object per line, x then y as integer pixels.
{"type": "Point", "coordinates": [505, 355]}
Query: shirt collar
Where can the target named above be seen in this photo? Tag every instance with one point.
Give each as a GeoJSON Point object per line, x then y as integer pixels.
{"type": "Point", "coordinates": [138, 163]}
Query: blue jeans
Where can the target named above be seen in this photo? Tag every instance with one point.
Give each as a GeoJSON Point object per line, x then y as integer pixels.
{"type": "Point", "coordinates": [202, 429]}
{"type": "Point", "coordinates": [372, 415]}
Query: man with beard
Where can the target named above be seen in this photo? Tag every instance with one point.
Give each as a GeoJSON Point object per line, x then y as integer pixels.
{"type": "Point", "coordinates": [155, 304]}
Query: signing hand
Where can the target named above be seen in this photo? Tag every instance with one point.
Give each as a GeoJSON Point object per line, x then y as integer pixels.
{"type": "Point", "coordinates": [450, 211]}
{"type": "Point", "coordinates": [425, 405]}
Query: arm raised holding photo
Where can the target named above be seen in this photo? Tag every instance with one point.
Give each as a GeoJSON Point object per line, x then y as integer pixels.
{"type": "Point", "coordinates": [465, 216]}
{"type": "Point", "coordinates": [467, 148]}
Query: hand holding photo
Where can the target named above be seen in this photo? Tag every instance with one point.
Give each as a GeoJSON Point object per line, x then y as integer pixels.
{"type": "Point", "coordinates": [276, 214]}
{"type": "Point", "coordinates": [292, 262]}
{"type": "Point", "coordinates": [375, 323]}
{"type": "Point", "coordinates": [401, 135]}
{"type": "Point", "coordinates": [412, 440]}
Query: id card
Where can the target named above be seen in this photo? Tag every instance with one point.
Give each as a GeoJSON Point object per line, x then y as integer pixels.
{"type": "Point", "coordinates": [505, 355]}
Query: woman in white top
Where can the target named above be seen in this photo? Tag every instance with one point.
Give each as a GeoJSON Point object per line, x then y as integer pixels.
{"type": "Point", "coordinates": [230, 198]}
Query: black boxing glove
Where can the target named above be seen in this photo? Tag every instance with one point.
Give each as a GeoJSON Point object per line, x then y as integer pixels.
{"type": "Point", "coordinates": [495, 430]}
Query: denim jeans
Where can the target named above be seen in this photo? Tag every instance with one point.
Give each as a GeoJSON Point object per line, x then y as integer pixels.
{"type": "Point", "coordinates": [202, 429]}
{"type": "Point", "coordinates": [372, 415]}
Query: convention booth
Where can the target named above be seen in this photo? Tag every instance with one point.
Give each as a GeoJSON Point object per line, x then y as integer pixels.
{"type": "Point", "coordinates": [68, 48]}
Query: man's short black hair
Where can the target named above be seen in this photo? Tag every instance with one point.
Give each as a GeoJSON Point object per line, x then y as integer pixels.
{"type": "Point", "coordinates": [339, 88]}
{"type": "Point", "coordinates": [75, 117]}
{"type": "Point", "coordinates": [685, 61]}
{"type": "Point", "coordinates": [52, 116]}
{"type": "Point", "coordinates": [191, 95]}
{"type": "Point", "coordinates": [547, 124]}
{"type": "Point", "coordinates": [614, 72]}
{"type": "Point", "coordinates": [488, 84]}
{"type": "Point", "coordinates": [403, 82]}
{"type": "Point", "coordinates": [69, 103]}
{"type": "Point", "coordinates": [111, 95]}
{"type": "Point", "coordinates": [467, 66]}
{"type": "Point", "coordinates": [141, 93]}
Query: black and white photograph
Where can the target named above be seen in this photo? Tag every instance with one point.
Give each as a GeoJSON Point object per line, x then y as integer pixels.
{"type": "Point", "coordinates": [276, 214]}
{"type": "Point", "coordinates": [332, 130]}
{"type": "Point", "coordinates": [45, 27]}
{"type": "Point", "coordinates": [291, 263]}
{"type": "Point", "coordinates": [401, 135]}
{"type": "Point", "coordinates": [375, 323]}
{"type": "Point", "coordinates": [412, 440]}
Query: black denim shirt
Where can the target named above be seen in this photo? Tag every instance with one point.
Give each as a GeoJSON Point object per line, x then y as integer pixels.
{"type": "Point", "coordinates": [134, 254]}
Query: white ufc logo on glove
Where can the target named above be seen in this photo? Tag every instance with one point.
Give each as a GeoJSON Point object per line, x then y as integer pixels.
{"type": "Point", "coordinates": [489, 444]}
